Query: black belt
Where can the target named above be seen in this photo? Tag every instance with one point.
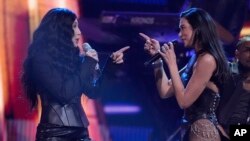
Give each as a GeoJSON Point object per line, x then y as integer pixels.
{"type": "Point", "coordinates": [51, 132]}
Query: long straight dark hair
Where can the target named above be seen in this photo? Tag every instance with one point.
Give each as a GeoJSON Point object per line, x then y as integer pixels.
{"type": "Point", "coordinates": [206, 35]}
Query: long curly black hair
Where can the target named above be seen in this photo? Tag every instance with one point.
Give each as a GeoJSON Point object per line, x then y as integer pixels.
{"type": "Point", "coordinates": [54, 34]}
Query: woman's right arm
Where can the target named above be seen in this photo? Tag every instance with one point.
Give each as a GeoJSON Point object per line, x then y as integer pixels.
{"type": "Point", "coordinates": [163, 83]}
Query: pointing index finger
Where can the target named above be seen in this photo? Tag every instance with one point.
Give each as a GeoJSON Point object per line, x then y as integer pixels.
{"type": "Point", "coordinates": [144, 36]}
{"type": "Point", "coordinates": [124, 49]}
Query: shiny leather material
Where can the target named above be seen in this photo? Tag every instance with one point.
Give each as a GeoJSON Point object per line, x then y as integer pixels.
{"type": "Point", "coordinates": [70, 114]}
{"type": "Point", "coordinates": [61, 92]}
{"type": "Point", "coordinates": [62, 113]}
{"type": "Point", "coordinates": [207, 103]}
{"type": "Point", "coordinates": [50, 132]}
{"type": "Point", "coordinates": [204, 107]}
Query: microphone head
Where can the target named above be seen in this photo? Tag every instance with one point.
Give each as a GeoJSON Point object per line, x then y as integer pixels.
{"type": "Point", "coordinates": [86, 46]}
{"type": "Point", "coordinates": [175, 42]}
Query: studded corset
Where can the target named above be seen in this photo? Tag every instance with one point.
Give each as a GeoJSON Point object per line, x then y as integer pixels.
{"type": "Point", "coordinates": [204, 107]}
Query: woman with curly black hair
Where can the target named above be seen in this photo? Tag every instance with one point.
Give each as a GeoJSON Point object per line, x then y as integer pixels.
{"type": "Point", "coordinates": [54, 70]}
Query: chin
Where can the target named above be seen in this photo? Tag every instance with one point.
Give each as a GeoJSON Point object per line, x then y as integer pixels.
{"type": "Point", "coordinates": [186, 45]}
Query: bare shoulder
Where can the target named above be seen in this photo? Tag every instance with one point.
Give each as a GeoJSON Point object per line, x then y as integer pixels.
{"type": "Point", "coordinates": [206, 59]}
{"type": "Point", "coordinates": [206, 62]}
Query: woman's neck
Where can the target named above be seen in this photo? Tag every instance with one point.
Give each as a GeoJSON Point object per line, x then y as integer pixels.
{"type": "Point", "coordinates": [198, 49]}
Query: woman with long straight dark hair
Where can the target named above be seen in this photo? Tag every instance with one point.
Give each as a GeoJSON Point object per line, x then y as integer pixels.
{"type": "Point", "coordinates": [200, 97]}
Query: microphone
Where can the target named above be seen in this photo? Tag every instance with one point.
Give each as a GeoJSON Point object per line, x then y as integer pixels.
{"type": "Point", "coordinates": [158, 55]}
{"type": "Point", "coordinates": [86, 47]}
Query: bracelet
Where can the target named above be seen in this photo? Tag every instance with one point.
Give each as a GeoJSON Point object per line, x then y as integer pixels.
{"type": "Point", "coordinates": [157, 64]}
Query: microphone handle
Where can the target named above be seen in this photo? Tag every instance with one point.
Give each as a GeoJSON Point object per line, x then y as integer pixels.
{"type": "Point", "coordinates": [152, 59]}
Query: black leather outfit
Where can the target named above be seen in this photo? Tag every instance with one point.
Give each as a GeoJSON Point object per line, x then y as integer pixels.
{"type": "Point", "coordinates": [206, 104]}
{"type": "Point", "coordinates": [204, 107]}
{"type": "Point", "coordinates": [63, 118]}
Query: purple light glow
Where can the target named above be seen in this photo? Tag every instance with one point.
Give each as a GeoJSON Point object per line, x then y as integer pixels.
{"type": "Point", "coordinates": [121, 109]}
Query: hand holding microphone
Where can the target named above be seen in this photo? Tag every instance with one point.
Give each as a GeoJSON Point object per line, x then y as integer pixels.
{"type": "Point", "coordinates": [168, 54]}
{"type": "Point", "coordinates": [116, 56]}
{"type": "Point", "coordinates": [89, 51]}
{"type": "Point", "coordinates": [152, 46]}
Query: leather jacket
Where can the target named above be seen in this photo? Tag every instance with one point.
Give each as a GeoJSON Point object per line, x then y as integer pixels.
{"type": "Point", "coordinates": [61, 92]}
